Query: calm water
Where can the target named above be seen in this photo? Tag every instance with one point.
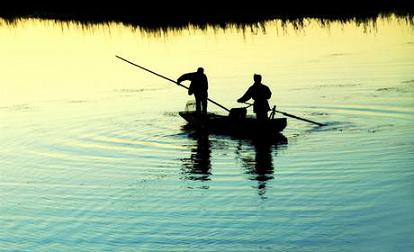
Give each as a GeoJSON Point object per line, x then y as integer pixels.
{"type": "Point", "coordinates": [94, 156]}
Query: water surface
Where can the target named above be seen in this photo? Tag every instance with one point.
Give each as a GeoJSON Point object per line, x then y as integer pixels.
{"type": "Point", "coordinates": [94, 155]}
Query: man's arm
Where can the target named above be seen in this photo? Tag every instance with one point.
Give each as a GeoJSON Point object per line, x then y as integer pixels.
{"type": "Point", "coordinates": [206, 82]}
{"type": "Point", "coordinates": [268, 93]}
{"type": "Point", "coordinates": [245, 97]}
{"type": "Point", "coordinates": [187, 76]}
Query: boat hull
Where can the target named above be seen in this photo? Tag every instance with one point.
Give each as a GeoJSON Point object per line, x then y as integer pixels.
{"type": "Point", "coordinates": [248, 127]}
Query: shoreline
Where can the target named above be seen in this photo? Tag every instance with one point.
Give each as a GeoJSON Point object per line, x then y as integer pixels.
{"type": "Point", "coordinates": [153, 17]}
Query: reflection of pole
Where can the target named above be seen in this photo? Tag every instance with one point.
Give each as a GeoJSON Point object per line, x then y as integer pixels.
{"type": "Point", "coordinates": [162, 76]}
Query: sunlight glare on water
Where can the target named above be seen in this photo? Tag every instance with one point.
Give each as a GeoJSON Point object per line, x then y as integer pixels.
{"type": "Point", "coordinates": [94, 155]}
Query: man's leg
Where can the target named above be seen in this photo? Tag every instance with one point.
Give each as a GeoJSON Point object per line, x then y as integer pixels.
{"type": "Point", "coordinates": [204, 101]}
{"type": "Point", "coordinates": [198, 105]}
{"type": "Point", "coordinates": [262, 115]}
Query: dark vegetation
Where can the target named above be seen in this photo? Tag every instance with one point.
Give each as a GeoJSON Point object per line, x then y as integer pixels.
{"type": "Point", "coordinates": [176, 14]}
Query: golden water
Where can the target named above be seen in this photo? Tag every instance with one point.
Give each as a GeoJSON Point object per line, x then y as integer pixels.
{"type": "Point", "coordinates": [93, 155]}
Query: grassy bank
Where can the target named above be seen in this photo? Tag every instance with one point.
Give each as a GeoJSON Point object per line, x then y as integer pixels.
{"type": "Point", "coordinates": [157, 14]}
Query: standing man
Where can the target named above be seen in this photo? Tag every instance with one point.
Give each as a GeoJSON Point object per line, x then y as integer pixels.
{"type": "Point", "coordinates": [260, 93]}
{"type": "Point", "coordinates": [198, 87]}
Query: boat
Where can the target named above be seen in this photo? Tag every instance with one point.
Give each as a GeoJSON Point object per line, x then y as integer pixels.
{"type": "Point", "coordinates": [236, 124]}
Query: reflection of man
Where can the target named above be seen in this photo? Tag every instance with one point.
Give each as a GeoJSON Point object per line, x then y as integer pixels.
{"type": "Point", "coordinates": [260, 93]}
{"type": "Point", "coordinates": [198, 166]}
{"type": "Point", "coordinates": [260, 167]}
{"type": "Point", "coordinates": [198, 87]}
{"type": "Point", "coordinates": [263, 160]}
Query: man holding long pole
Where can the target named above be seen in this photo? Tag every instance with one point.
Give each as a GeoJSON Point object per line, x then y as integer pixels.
{"type": "Point", "coordinates": [206, 96]}
{"type": "Point", "coordinates": [198, 87]}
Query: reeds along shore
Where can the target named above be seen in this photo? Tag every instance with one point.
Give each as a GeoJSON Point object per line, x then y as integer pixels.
{"type": "Point", "coordinates": [175, 14]}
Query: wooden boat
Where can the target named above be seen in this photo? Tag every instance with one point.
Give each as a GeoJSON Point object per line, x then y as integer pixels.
{"type": "Point", "coordinates": [236, 123]}
{"type": "Point", "coordinates": [243, 126]}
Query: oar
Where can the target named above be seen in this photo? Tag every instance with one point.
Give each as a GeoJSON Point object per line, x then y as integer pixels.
{"type": "Point", "coordinates": [159, 75]}
{"type": "Point", "coordinates": [299, 118]}
{"type": "Point", "coordinates": [293, 116]}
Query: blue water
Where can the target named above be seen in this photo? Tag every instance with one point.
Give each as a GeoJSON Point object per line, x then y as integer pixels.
{"type": "Point", "coordinates": [111, 167]}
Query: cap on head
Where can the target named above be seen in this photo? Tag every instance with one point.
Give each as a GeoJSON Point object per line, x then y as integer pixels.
{"type": "Point", "coordinates": [257, 77]}
{"type": "Point", "coordinates": [200, 70]}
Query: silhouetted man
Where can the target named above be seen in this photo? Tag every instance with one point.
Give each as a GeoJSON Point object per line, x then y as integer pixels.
{"type": "Point", "coordinates": [260, 93]}
{"type": "Point", "coordinates": [198, 87]}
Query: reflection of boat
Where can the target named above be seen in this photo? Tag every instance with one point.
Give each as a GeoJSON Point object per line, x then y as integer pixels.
{"type": "Point", "coordinates": [255, 153]}
{"type": "Point", "coordinates": [236, 126]}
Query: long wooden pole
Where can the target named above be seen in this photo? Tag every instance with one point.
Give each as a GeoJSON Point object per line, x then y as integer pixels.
{"type": "Point", "coordinates": [299, 118]}
{"type": "Point", "coordinates": [166, 78]}
{"type": "Point", "coordinates": [293, 116]}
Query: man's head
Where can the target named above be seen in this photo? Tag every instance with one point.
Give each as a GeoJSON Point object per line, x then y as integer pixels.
{"type": "Point", "coordinates": [257, 78]}
{"type": "Point", "coordinates": [200, 70]}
